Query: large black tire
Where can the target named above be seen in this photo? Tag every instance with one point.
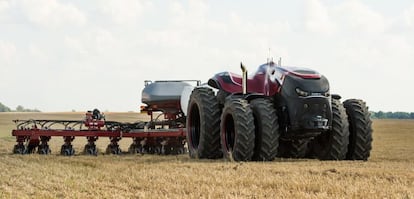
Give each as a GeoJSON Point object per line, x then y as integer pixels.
{"type": "Point", "coordinates": [293, 148]}
{"type": "Point", "coordinates": [333, 144]}
{"type": "Point", "coordinates": [360, 137]}
{"type": "Point", "coordinates": [237, 130]}
{"type": "Point", "coordinates": [221, 97]}
{"type": "Point", "coordinates": [266, 130]}
{"type": "Point", "coordinates": [203, 124]}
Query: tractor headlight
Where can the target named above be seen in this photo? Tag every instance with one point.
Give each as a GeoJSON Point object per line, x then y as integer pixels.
{"type": "Point", "coordinates": [301, 92]}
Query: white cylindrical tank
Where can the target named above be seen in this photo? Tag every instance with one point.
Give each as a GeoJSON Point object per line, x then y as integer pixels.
{"type": "Point", "coordinates": [185, 98]}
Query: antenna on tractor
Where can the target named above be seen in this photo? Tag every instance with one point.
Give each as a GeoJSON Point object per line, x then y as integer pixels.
{"type": "Point", "coordinates": [269, 58]}
{"type": "Point", "coordinates": [279, 63]}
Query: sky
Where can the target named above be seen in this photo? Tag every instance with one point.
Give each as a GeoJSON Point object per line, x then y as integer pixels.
{"type": "Point", "coordinates": [61, 55]}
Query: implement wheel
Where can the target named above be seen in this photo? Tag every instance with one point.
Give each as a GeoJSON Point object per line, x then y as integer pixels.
{"type": "Point", "coordinates": [19, 149]}
{"type": "Point", "coordinates": [360, 137]}
{"type": "Point", "coordinates": [133, 149]}
{"type": "Point", "coordinates": [43, 149]}
{"type": "Point", "coordinates": [67, 150]}
{"type": "Point", "coordinates": [203, 120]}
{"type": "Point", "coordinates": [113, 149]}
{"type": "Point", "coordinates": [90, 149]}
{"type": "Point", "coordinates": [237, 130]}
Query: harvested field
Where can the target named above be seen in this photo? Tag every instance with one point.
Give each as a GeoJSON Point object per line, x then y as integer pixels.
{"type": "Point", "coordinates": [389, 173]}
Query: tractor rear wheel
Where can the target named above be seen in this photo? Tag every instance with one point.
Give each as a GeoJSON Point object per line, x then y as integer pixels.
{"type": "Point", "coordinates": [237, 130]}
{"type": "Point", "coordinates": [333, 144]}
{"type": "Point", "coordinates": [203, 122]}
{"type": "Point", "coordinates": [266, 130]}
{"type": "Point", "coordinates": [360, 137]}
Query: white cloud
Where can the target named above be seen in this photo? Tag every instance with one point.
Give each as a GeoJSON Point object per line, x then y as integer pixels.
{"type": "Point", "coordinates": [104, 41]}
{"type": "Point", "coordinates": [4, 4]}
{"type": "Point", "coordinates": [93, 42]}
{"type": "Point", "coordinates": [51, 13]}
{"type": "Point", "coordinates": [126, 12]}
{"type": "Point", "coordinates": [75, 45]}
{"type": "Point", "coordinates": [4, 7]}
{"type": "Point", "coordinates": [8, 52]}
{"type": "Point", "coordinates": [409, 16]}
{"type": "Point", "coordinates": [355, 16]}
{"type": "Point", "coordinates": [129, 41]}
{"type": "Point", "coordinates": [317, 18]}
{"type": "Point", "coordinates": [37, 53]}
{"type": "Point", "coordinates": [191, 15]}
{"type": "Point", "coordinates": [348, 16]}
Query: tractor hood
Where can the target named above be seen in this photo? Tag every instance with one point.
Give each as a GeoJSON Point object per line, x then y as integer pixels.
{"type": "Point", "coordinates": [302, 72]}
{"type": "Point", "coordinates": [303, 81]}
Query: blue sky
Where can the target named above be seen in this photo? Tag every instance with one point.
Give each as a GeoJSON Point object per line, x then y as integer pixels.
{"type": "Point", "coordinates": [58, 55]}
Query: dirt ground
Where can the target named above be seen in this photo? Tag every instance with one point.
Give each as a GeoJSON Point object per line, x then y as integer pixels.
{"type": "Point", "coordinates": [389, 173]}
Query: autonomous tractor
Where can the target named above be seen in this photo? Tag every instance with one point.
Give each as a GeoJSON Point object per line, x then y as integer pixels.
{"type": "Point", "coordinates": [278, 111]}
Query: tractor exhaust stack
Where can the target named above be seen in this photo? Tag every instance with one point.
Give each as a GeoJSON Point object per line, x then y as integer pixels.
{"type": "Point", "coordinates": [244, 80]}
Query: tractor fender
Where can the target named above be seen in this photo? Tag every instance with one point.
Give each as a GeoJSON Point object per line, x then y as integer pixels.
{"type": "Point", "coordinates": [213, 82]}
{"type": "Point", "coordinates": [336, 96]}
{"type": "Point", "coordinates": [223, 81]}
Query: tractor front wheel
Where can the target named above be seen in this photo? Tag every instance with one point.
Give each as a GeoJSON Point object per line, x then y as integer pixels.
{"type": "Point", "coordinates": [333, 144]}
{"type": "Point", "coordinates": [360, 137]}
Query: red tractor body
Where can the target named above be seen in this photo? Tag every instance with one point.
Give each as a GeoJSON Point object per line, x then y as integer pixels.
{"type": "Point", "coordinates": [300, 95]}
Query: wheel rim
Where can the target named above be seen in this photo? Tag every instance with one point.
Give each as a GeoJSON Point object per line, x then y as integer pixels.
{"type": "Point", "coordinates": [229, 132]}
{"type": "Point", "coordinates": [67, 152]}
{"type": "Point", "coordinates": [194, 127]}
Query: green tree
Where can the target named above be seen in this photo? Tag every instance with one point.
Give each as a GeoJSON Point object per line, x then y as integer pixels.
{"type": "Point", "coordinates": [402, 115]}
{"type": "Point", "coordinates": [4, 108]}
{"type": "Point", "coordinates": [20, 108]}
{"type": "Point", "coordinates": [380, 115]}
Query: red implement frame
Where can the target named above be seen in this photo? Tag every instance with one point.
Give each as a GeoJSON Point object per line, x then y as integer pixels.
{"type": "Point", "coordinates": [163, 137]}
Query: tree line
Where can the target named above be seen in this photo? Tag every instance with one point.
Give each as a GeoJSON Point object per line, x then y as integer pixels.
{"type": "Point", "coordinates": [375, 115]}
{"type": "Point", "coordinates": [4, 108]}
{"type": "Point", "coordinates": [392, 115]}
